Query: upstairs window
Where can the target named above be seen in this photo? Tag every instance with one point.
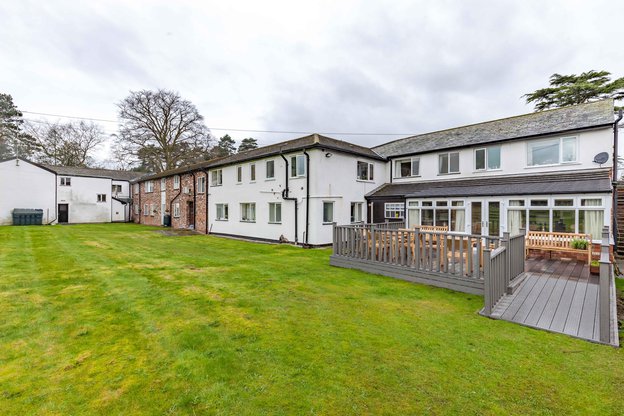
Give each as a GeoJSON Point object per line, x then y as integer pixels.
{"type": "Point", "coordinates": [297, 166]}
{"type": "Point", "coordinates": [149, 186]}
{"type": "Point", "coordinates": [216, 177]}
{"type": "Point", "coordinates": [552, 151]}
{"type": "Point", "coordinates": [136, 188]}
{"type": "Point", "coordinates": [404, 168]}
{"type": "Point", "coordinates": [239, 174]}
{"type": "Point", "coordinates": [116, 189]}
{"type": "Point", "coordinates": [364, 171]}
{"type": "Point", "coordinates": [270, 169]}
{"type": "Point", "coordinates": [101, 197]}
{"type": "Point", "coordinates": [448, 163]}
{"type": "Point", "coordinates": [163, 184]}
{"type": "Point", "coordinates": [176, 182]}
{"type": "Point", "coordinates": [252, 172]}
{"type": "Point", "coordinates": [65, 181]}
{"type": "Point", "coordinates": [201, 185]}
{"type": "Point", "coordinates": [488, 158]}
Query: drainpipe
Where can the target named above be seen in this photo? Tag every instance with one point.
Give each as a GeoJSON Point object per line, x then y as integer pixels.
{"type": "Point", "coordinates": [206, 197]}
{"type": "Point", "coordinates": [194, 199]}
{"type": "Point", "coordinates": [307, 224]}
{"type": "Point", "coordinates": [285, 197]}
{"type": "Point", "coordinates": [140, 207]}
{"type": "Point", "coordinates": [615, 177]}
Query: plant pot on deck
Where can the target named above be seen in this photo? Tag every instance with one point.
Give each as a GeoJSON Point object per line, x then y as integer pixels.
{"type": "Point", "coordinates": [594, 267]}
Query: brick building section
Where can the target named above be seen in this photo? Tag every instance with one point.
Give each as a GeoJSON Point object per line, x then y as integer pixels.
{"type": "Point", "coordinates": [191, 205]}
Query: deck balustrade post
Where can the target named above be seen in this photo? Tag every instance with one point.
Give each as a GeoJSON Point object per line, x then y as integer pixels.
{"type": "Point", "coordinates": [417, 247]}
{"type": "Point", "coordinates": [508, 259]}
{"type": "Point", "coordinates": [334, 238]}
{"type": "Point", "coordinates": [487, 282]}
{"type": "Point", "coordinates": [605, 288]}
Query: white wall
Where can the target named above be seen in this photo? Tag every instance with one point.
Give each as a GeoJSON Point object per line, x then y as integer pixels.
{"type": "Point", "coordinates": [25, 185]}
{"type": "Point", "coordinates": [332, 179]}
{"type": "Point", "coordinates": [514, 158]}
{"type": "Point", "coordinates": [81, 197]}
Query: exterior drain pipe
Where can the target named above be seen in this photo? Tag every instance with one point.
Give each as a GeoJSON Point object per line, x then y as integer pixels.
{"type": "Point", "coordinates": [614, 225]}
{"type": "Point", "coordinates": [307, 224]}
{"type": "Point", "coordinates": [285, 197]}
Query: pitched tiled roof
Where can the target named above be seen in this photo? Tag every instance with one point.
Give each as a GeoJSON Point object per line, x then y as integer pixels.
{"type": "Point", "coordinates": [120, 175]}
{"type": "Point", "coordinates": [582, 181]}
{"type": "Point", "coordinates": [583, 116]}
{"type": "Point", "coordinates": [307, 142]}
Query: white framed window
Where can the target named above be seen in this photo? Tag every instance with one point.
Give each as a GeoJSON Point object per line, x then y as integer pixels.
{"type": "Point", "coordinates": [275, 213]}
{"type": "Point", "coordinates": [176, 210]}
{"type": "Point", "coordinates": [356, 212]}
{"type": "Point", "coordinates": [149, 186]}
{"type": "Point", "coordinates": [136, 188]}
{"type": "Point", "coordinates": [116, 189]}
{"type": "Point", "coordinates": [216, 177]}
{"type": "Point", "coordinates": [404, 168]}
{"type": "Point", "coordinates": [448, 163]}
{"type": "Point", "coordinates": [328, 212]}
{"type": "Point", "coordinates": [65, 181]}
{"type": "Point", "coordinates": [176, 182]}
{"type": "Point", "coordinates": [440, 213]}
{"type": "Point", "coordinates": [270, 169]}
{"type": "Point", "coordinates": [152, 209]}
{"type": "Point", "coordinates": [488, 158]}
{"type": "Point", "coordinates": [252, 172]}
{"type": "Point", "coordinates": [239, 174]}
{"type": "Point", "coordinates": [364, 171]}
{"type": "Point", "coordinates": [248, 212]}
{"type": "Point", "coordinates": [297, 166]}
{"type": "Point", "coordinates": [394, 210]}
{"type": "Point", "coordinates": [101, 197]}
{"type": "Point", "coordinates": [552, 151]}
{"type": "Point", "coordinates": [222, 212]}
{"type": "Point", "coordinates": [136, 209]}
{"type": "Point", "coordinates": [145, 210]}
{"type": "Point", "coordinates": [201, 185]}
{"type": "Point", "coordinates": [163, 184]}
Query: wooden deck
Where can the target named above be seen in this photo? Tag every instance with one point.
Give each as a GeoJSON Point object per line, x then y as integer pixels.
{"type": "Point", "coordinates": [558, 296]}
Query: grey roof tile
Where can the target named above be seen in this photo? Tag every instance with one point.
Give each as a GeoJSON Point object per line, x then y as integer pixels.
{"type": "Point", "coordinates": [598, 113]}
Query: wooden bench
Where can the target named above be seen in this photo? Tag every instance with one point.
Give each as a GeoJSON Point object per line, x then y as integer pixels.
{"type": "Point", "coordinates": [561, 242]}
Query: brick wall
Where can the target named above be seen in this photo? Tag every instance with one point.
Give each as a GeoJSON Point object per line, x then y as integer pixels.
{"type": "Point", "coordinates": [189, 205]}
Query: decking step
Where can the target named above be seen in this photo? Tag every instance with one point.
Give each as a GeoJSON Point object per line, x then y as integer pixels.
{"type": "Point", "coordinates": [515, 284]}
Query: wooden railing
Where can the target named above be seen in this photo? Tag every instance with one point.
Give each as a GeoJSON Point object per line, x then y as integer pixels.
{"type": "Point", "coordinates": [605, 287]}
{"type": "Point", "coordinates": [443, 254]}
{"type": "Point", "coordinates": [501, 266]}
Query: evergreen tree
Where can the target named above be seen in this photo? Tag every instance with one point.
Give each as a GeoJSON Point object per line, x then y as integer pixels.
{"type": "Point", "coordinates": [248, 144]}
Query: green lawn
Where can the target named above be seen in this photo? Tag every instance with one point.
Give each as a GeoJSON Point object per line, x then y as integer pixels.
{"type": "Point", "coordinates": [119, 319]}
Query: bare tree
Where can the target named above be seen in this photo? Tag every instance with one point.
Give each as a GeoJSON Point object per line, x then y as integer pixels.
{"type": "Point", "coordinates": [66, 144]}
{"type": "Point", "coordinates": [161, 130]}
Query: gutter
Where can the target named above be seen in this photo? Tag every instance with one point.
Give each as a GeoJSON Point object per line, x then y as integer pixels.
{"type": "Point", "coordinates": [285, 197]}
{"type": "Point", "coordinates": [307, 224]}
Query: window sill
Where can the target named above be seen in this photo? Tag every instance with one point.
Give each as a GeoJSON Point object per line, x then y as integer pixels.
{"type": "Point", "coordinates": [221, 219]}
{"type": "Point", "coordinates": [297, 177]}
{"type": "Point", "coordinates": [275, 223]}
{"type": "Point", "coordinates": [328, 223]}
{"type": "Point", "coordinates": [365, 181]}
{"type": "Point", "coordinates": [248, 221]}
{"type": "Point", "coordinates": [269, 179]}
{"type": "Point", "coordinates": [407, 177]}
{"type": "Point", "coordinates": [449, 174]}
{"type": "Point", "coordinates": [215, 185]}
{"type": "Point", "coordinates": [550, 165]}
{"type": "Point", "coordinates": [486, 170]}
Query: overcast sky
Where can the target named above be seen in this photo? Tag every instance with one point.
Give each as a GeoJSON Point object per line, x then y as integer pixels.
{"type": "Point", "coordinates": [402, 67]}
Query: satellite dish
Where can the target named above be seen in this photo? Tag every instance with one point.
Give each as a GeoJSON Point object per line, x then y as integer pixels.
{"type": "Point", "coordinates": [601, 158]}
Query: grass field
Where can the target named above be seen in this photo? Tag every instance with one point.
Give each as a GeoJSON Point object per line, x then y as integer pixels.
{"type": "Point", "coordinates": [119, 319]}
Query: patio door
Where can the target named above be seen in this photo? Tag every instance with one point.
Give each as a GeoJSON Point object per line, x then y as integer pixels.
{"type": "Point", "coordinates": [485, 218]}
